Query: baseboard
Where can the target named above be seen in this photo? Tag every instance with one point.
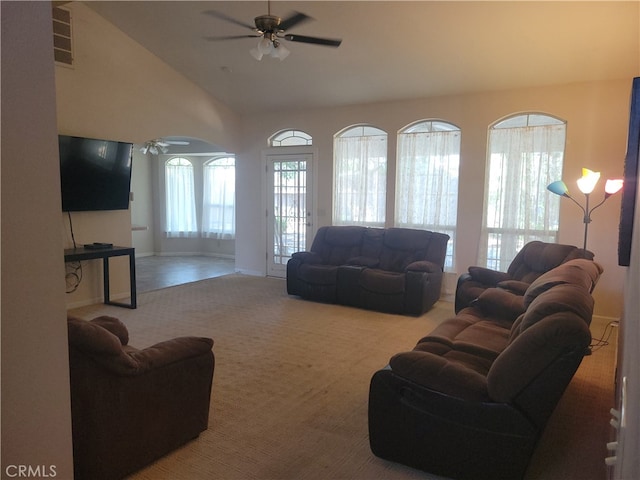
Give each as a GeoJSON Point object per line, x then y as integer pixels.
{"type": "Point", "coordinates": [193, 254]}
{"type": "Point", "coordinates": [253, 273]}
{"type": "Point", "coordinates": [96, 300]}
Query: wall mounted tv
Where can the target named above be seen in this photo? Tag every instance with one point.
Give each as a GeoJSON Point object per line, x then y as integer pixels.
{"type": "Point", "coordinates": [94, 174]}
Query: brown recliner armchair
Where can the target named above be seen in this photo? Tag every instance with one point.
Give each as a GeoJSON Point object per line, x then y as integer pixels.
{"type": "Point", "coordinates": [534, 259]}
{"type": "Point", "coordinates": [129, 407]}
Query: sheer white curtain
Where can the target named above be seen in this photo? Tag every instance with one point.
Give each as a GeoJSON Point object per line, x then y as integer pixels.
{"type": "Point", "coordinates": [180, 215]}
{"type": "Point", "coordinates": [427, 182]}
{"type": "Point", "coordinates": [360, 177]}
{"type": "Point", "coordinates": [518, 207]}
{"type": "Point", "coordinates": [219, 199]}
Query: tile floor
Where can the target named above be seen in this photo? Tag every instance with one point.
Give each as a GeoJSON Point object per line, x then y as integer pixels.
{"type": "Point", "coordinates": [154, 272]}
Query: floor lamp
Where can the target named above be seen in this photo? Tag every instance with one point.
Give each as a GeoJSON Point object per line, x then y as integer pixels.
{"type": "Point", "coordinates": [586, 184]}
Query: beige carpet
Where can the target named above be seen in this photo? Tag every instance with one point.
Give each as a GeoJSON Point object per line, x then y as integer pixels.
{"type": "Point", "coordinates": [290, 386]}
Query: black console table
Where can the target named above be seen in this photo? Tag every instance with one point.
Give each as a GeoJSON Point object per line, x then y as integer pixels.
{"type": "Point", "coordinates": [81, 253]}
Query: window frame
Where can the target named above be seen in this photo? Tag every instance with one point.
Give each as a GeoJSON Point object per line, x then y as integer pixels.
{"type": "Point", "coordinates": [537, 211]}
{"type": "Point", "coordinates": [350, 207]}
{"type": "Point", "coordinates": [181, 227]}
{"type": "Point", "coordinates": [414, 172]}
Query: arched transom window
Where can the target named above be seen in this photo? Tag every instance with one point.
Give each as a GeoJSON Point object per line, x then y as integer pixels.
{"type": "Point", "coordinates": [290, 138]}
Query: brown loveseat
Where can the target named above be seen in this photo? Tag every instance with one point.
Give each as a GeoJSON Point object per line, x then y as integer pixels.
{"type": "Point", "coordinates": [534, 259]}
{"type": "Point", "coordinates": [396, 270]}
{"type": "Point", "coordinates": [471, 400]}
{"type": "Point", "coordinates": [129, 407]}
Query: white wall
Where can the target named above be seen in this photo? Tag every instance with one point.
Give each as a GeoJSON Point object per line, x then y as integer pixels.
{"type": "Point", "coordinates": [597, 121]}
{"type": "Point", "coordinates": [142, 220]}
{"type": "Point", "coordinates": [36, 413]}
{"type": "Point", "coordinates": [628, 466]}
{"type": "Point", "coordinates": [117, 90]}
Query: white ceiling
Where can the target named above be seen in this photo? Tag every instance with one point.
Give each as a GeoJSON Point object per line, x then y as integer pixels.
{"type": "Point", "coordinates": [391, 50]}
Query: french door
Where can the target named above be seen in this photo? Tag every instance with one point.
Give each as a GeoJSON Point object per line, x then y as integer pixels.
{"type": "Point", "coordinates": [289, 208]}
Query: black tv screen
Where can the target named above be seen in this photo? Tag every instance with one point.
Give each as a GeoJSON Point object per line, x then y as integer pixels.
{"type": "Point", "coordinates": [94, 174]}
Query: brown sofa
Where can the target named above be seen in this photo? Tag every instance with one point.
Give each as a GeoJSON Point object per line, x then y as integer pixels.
{"type": "Point", "coordinates": [472, 398]}
{"type": "Point", "coordinates": [396, 270]}
{"type": "Point", "coordinates": [534, 259]}
{"type": "Point", "coordinates": [129, 407]}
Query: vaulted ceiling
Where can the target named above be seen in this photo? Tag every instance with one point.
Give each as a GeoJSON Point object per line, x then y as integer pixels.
{"type": "Point", "coordinates": [390, 50]}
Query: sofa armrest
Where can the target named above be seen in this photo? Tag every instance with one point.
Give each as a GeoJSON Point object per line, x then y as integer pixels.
{"type": "Point", "coordinates": [500, 304]}
{"type": "Point", "coordinates": [170, 351]}
{"type": "Point", "coordinates": [487, 276]}
{"type": "Point", "coordinates": [423, 266]}
{"type": "Point", "coordinates": [113, 325]}
{"type": "Point", "coordinates": [307, 257]}
{"type": "Point", "coordinates": [129, 361]}
{"type": "Point", "coordinates": [514, 286]}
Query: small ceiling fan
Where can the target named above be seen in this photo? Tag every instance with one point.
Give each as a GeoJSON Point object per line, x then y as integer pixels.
{"type": "Point", "coordinates": [160, 145]}
{"type": "Point", "coordinates": [271, 29]}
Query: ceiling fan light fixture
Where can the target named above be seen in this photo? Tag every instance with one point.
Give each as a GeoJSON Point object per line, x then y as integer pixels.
{"type": "Point", "coordinates": [265, 46]}
{"type": "Point", "coordinates": [255, 53]}
{"type": "Point", "coordinates": [280, 51]}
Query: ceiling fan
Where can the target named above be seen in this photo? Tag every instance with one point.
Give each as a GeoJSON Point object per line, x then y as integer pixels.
{"type": "Point", "coordinates": [271, 29]}
{"type": "Point", "coordinates": [160, 145]}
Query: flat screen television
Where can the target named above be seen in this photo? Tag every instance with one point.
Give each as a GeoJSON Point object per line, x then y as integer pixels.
{"type": "Point", "coordinates": [94, 174]}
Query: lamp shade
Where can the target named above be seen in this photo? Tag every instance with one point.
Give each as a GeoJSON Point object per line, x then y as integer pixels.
{"type": "Point", "coordinates": [613, 186]}
{"type": "Point", "coordinates": [588, 181]}
{"type": "Point", "coordinates": [558, 187]}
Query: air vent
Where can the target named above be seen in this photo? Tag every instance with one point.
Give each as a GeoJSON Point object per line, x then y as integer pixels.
{"type": "Point", "coordinates": [62, 44]}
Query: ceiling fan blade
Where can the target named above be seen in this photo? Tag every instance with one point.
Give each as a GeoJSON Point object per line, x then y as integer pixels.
{"type": "Point", "coordinates": [226, 18]}
{"type": "Point", "coordinates": [314, 40]}
{"type": "Point", "coordinates": [295, 19]}
{"type": "Point", "coordinates": [231, 37]}
{"type": "Point", "coordinates": [176, 142]}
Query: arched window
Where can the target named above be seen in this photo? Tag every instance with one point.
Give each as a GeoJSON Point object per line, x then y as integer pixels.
{"type": "Point", "coordinates": [289, 138]}
{"type": "Point", "coordinates": [525, 154]}
{"type": "Point", "coordinates": [427, 179]}
{"type": "Point", "coordinates": [219, 198]}
{"type": "Point", "coordinates": [180, 215]}
{"type": "Point", "coordinates": [360, 176]}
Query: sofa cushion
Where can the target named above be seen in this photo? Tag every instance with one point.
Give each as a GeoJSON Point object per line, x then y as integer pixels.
{"type": "Point", "coordinates": [336, 245]}
{"type": "Point", "coordinates": [402, 246]}
{"type": "Point", "coordinates": [533, 351]}
{"type": "Point", "coordinates": [579, 271]}
{"type": "Point", "coordinates": [484, 339]}
{"type": "Point", "coordinates": [538, 257]}
{"type": "Point", "coordinates": [470, 332]}
{"type": "Point", "coordinates": [457, 377]}
{"type": "Point", "coordinates": [560, 298]}
{"type": "Point", "coordinates": [375, 280]}
{"type": "Point", "coordinates": [318, 274]}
